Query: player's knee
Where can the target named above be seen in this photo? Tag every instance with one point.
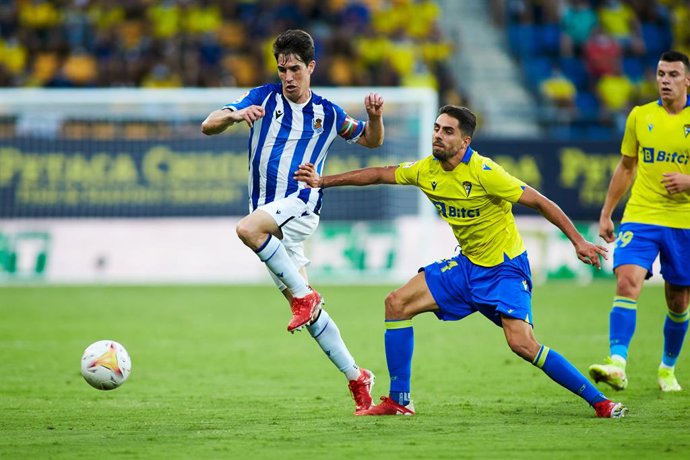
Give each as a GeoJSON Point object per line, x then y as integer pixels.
{"type": "Point", "coordinates": [677, 304]}
{"type": "Point", "coordinates": [247, 233]}
{"type": "Point", "coordinates": [395, 306]}
{"type": "Point", "coordinates": [628, 285]}
{"type": "Point", "coordinates": [242, 231]}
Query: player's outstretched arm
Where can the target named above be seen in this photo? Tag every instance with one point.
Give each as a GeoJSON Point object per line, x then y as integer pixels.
{"type": "Point", "coordinates": [587, 252]}
{"type": "Point", "coordinates": [219, 120]}
{"type": "Point", "coordinates": [621, 180]}
{"type": "Point", "coordinates": [373, 131]}
{"type": "Point", "coordinates": [366, 176]}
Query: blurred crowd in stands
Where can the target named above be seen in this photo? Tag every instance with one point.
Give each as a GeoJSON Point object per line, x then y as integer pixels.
{"type": "Point", "coordinates": [590, 61]}
{"type": "Point", "coordinates": [212, 43]}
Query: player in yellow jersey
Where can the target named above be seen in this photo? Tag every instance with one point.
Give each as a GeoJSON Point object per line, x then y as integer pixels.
{"type": "Point", "coordinates": [491, 275]}
{"type": "Point", "coordinates": [656, 222]}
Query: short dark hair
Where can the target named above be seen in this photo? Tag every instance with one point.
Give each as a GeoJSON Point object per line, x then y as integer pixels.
{"type": "Point", "coordinates": [676, 56]}
{"type": "Point", "coordinates": [466, 119]}
{"type": "Point", "coordinates": [296, 42]}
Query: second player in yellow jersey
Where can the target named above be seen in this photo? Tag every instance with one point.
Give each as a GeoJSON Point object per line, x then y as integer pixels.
{"type": "Point", "coordinates": [655, 160]}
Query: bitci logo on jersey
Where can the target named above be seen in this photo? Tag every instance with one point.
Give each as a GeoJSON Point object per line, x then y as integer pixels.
{"type": "Point", "coordinates": [649, 155]}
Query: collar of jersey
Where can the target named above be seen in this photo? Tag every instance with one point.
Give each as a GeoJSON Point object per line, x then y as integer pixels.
{"type": "Point", "coordinates": [468, 155]}
{"type": "Point", "coordinates": [687, 102]}
{"type": "Point", "coordinates": [295, 105]}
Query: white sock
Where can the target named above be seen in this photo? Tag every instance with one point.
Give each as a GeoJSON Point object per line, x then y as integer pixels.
{"type": "Point", "coordinates": [665, 366]}
{"type": "Point", "coordinates": [327, 335]}
{"type": "Point", "coordinates": [276, 258]}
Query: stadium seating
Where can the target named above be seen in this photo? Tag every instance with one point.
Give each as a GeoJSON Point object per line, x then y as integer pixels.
{"type": "Point", "coordinates": [214, 43]}
{"type": "Point", "coordinates": [156, 43]}
{"type": "Point", "coordinates": [534, 32]}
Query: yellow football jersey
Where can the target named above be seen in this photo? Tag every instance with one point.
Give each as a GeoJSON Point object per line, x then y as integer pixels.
{"type": "Point", "coordinates": [661, 143]}
{"type": "Point", "coordinates": [476, 200]}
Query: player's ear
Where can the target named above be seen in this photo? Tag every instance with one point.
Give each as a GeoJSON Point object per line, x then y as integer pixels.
{"type": "Point", "coordinates": [311, 66]}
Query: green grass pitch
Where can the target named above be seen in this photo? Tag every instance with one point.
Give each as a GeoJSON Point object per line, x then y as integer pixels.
{"type": "Point", "coordinates": [215, 375]}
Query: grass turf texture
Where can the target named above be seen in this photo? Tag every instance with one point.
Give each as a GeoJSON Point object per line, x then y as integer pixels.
{"type": "Point", "coordinates": [215, 375]}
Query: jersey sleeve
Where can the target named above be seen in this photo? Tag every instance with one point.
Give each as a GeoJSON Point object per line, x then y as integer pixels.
{"type": "Point", "coordinates": [255, 96]}
{"type": "Point", "coordinates": [349, 128]}
{"type": "Point", "coordinates": [498, 182]}
{"type": "Point", "coordinates": [407, 173]}
{"type": "Point", "coordinates": [629, 145]}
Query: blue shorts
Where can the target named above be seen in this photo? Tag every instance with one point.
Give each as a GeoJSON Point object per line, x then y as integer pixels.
{"type": "Point", "coordinates": [639, 244]}
{"type": "Point", "coordinates": [460, 288]}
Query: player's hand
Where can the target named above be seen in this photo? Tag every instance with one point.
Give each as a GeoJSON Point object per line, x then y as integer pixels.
{"type": "Point", "coordinates": [676, 182]}
{"type": "Point", "coordinates": [249, 114]}
{"type": "Point", "coordinates": [606, 229]}
{"type": "Point", "coordinates": [307, 173]}
{"type": "Point", "coordinates": [589, 253]}
{"type": "Point", "coordinates": [374, 105]}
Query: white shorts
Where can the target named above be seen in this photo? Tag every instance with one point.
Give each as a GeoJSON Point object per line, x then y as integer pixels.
{"type": "Point", "coordinates": [297, 223]}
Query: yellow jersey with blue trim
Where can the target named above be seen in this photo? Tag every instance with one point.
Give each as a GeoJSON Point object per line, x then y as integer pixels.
{"type": "Point", "coordinates": [476, 200]}
{"type": "Point", "coordinates": [661, 143]}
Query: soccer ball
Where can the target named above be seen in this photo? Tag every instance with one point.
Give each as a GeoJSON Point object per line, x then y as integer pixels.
{"type": "Point", "coordinates": [105, 365]}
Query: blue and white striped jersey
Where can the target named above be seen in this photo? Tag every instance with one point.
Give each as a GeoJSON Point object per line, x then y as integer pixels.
{"type": "Point", "coordinates": [288, 135]}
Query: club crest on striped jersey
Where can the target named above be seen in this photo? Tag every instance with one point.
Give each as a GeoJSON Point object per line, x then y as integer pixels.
{"type": "Point", "coordinates": [468, 187]}
{"type": "Point", "coordinates": [317, 125]}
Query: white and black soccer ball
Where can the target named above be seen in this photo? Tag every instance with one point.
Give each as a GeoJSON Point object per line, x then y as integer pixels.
{"type": "Point", "coordinates": [105, 364]}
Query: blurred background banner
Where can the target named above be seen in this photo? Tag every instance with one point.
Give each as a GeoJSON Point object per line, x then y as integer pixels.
{"type": "Point", "coordinates": [183, 177]}
{"type": "Point", "coordinates": [188, 176]}
{"type": "Point", "coordinates": [140, 153]}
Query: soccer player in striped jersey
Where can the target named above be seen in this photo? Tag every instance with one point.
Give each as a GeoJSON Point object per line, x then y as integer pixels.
{"type": "Point", "coordinates": [655, 160]}
{"type": "Point", "coordinates": [491, 275]}
{"type": "Point", "coordinates": [291, 125]}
